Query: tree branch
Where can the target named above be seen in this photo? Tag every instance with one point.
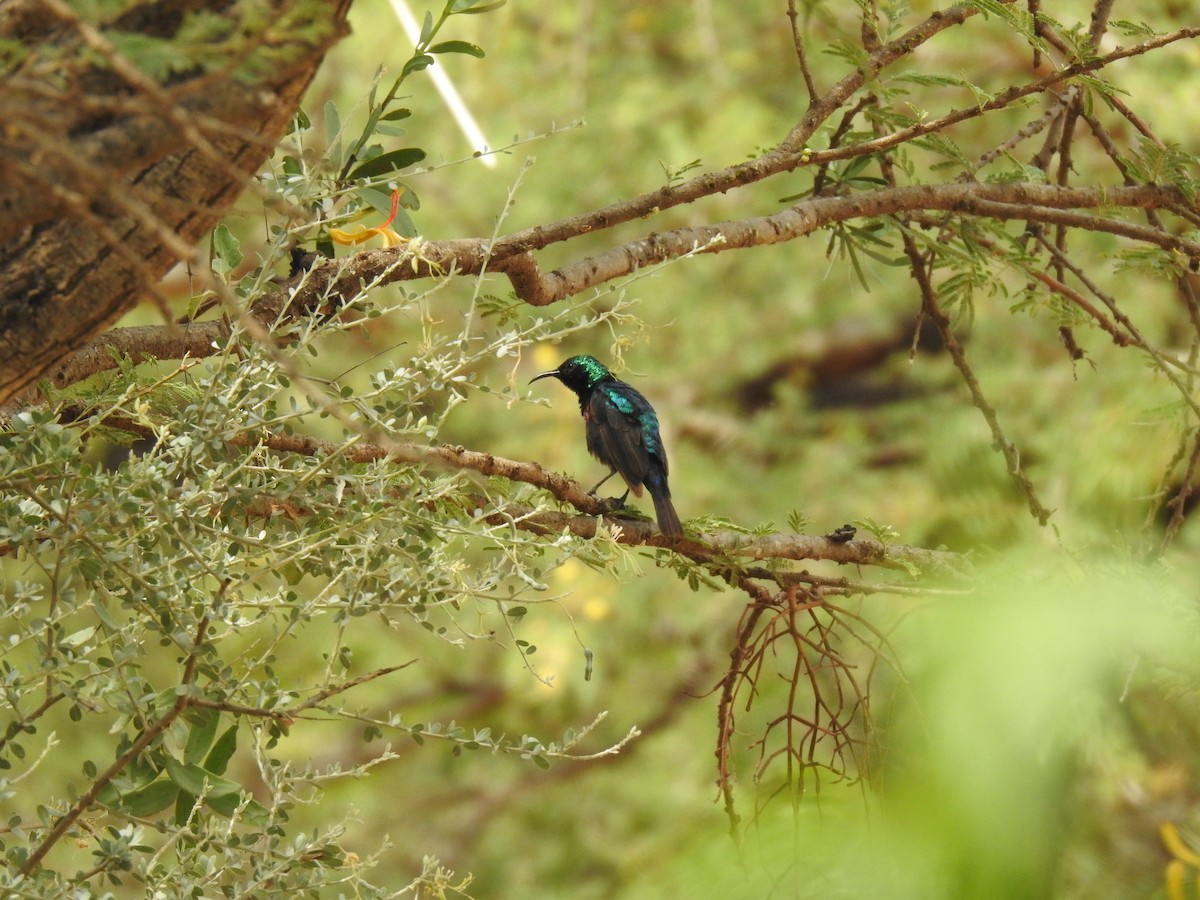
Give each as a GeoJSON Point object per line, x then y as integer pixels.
{"type": "Point", "coordinates": [1003, 99]}
{"type": "Point", "coordinates": [513, 255]}
{"type": "Point", "coordinates": [292, 712]}
{"type": "Point", "coordinates": [801, 55]}
{"type": "Point", "coordinates": [331, 283]}
{"type": "Point", "coordinates": [714, 548]}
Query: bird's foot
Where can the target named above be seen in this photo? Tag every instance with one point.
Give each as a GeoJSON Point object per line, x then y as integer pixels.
{"type": "Point", "coordinates": [612, 504]}
{"type": "Point", "coordinates": [841, 535]}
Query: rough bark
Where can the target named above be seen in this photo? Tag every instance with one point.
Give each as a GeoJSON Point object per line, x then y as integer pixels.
{"type": "Point", "coordinates": [108, 177]}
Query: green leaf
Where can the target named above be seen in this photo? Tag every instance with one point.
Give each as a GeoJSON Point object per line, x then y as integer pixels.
{"type": "Point", "coordinates": [403, 224]}
{"type": "Point", "coordinates": [227, 247]}
{"type": "Point", "coordinates": [992, 7]}
{"type": "Point", "coordinates": [388, 162]}
{"type": "Point", "coordinates": [157, 57]}
{"type": "Point", "coordinates": [193, 779]}
{"type": "Point", "coordinates": [151, 799]}
{"type": "Point", "coordinates": [333, 131]}
{"type": "Point", "coordinates": [883, 533]}
{"type": "Point", "coordinates": [377, 199]}
{"type": "Point", "coordinates": [473, 7]}
{"type": "Point", "coordinates": [200, 738]}
{"type": "Point", "coordinates": [184, 804]}
{"type": "Point", "coordinates": [253, 812]}
{"type": "Point", "coordinates": [1131, 29]}
{"type": "Point", "coordinates": [379, 70]}
{"type": "Point", "coordinates": [395, 115]}
{"type": "Point", "coordinates": [458, 47]}
{"type": "Point", "coordinates": [300, 122]}
{"type": "Point", "coordinates": [426, 30]}
{"type": "Point", "coordinates": [416, 64]}
{"type": "Point", "coordinates": [855, 166]}
{"type": "Point", "coordinates": [218, 758]}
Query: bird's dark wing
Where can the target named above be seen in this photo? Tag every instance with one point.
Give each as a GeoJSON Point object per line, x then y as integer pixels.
{"type": "Point", "coordinates": [622, 431]}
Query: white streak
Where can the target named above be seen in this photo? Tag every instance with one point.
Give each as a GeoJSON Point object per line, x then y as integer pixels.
{"type": "Point", "coordinates": [449, 92]}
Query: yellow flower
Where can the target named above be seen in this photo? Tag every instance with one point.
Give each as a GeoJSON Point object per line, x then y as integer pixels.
{"type": "Point", "coordinates": [1184, 859]}
{"type": "Point", "coordinates": [360, 234]}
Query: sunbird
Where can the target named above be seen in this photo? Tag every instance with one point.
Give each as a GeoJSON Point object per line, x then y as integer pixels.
{"type": "Point", "coordinates": [621, 428]}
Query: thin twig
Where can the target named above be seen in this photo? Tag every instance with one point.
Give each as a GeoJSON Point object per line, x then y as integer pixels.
{"type": "Point", "coordinates": [1164, 363]}
{"type": "Point", "coordinates": [334, 690]}
{"type": "Point", "coordinates": [760, 602]}
{"type": "Point", "coordinates": [293, 712]}
{"type": "Point", "coordinates": [148, 736]}
{"type": "Point", "coordinates": [835, 140]}
{"type": "Point", "coordinates": [941, 321]}
{"type": "Point", "coordinates": [1179, 503]}
{"type": "Point", "coordinates": [920, 267]}
{"type": "Point", "coordinates": [1119, 337]}
{"type": "Point", "coordinates": [43, 707]}
{"type": "Point", "coordinates": [1031, 129]}
{"type": "Point", "coordinates": [801, 55]}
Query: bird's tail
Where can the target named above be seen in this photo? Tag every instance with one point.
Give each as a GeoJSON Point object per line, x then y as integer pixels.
{"type": "Point", "coordinates": [668, 519]}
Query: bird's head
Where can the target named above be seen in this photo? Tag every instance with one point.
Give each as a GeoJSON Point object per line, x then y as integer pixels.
{"type": "Point", "coordinates": [579, 373]}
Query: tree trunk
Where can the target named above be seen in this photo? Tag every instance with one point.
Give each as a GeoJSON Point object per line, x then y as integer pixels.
{"type": "Point", "coordinates": [124, 144]}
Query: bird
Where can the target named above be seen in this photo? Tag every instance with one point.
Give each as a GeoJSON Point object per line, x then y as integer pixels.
{"type": "Point", "coordinates": [621, 429]}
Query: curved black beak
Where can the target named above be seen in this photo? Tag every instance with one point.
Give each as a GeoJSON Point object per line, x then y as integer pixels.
{"type": "Point", "coordinates": [553, 373]}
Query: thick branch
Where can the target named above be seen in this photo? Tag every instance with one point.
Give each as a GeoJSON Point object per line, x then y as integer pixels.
{"type": "Point", "coordinates": [337, 281]}
{"type": "Point", "coordinates": [133, 142]}
{"type": "Point", "coordinates": [1037, 202]}
{"type": "Point", "coordinates": [793, 152]}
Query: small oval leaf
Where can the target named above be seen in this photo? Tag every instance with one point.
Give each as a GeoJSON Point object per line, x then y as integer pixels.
{"type": "Point", "coordinates": [458, 47]}
{"type": "Point", "coordinates": [227, 246]}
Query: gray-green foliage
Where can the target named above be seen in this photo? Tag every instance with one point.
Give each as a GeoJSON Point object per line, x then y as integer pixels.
{"type": "Point", "coordinates": [268, 569]}
{"type": "Point", "coordinates": [175, 612]}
